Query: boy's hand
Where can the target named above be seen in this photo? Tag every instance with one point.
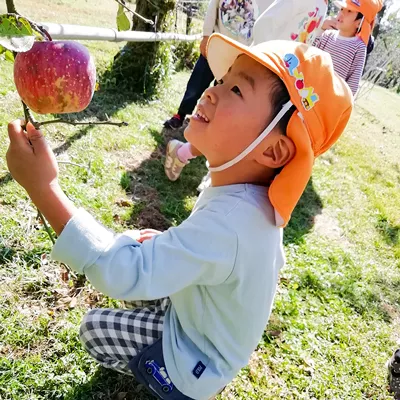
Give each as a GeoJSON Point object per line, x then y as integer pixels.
{"type": "Point", "coordinates": [30, 160]}
{"type": "Point", "coordinates": [203, 46]}
{"type": "Point", "coordinates": [147, 234]}
{"type": "Point", "coordinates": [329, 23]}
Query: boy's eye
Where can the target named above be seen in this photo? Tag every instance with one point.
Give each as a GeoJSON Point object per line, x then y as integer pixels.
{"type": "Point", "coordinates": [237, 91]}
{"type": "Point", "coordinates": [220, 82]}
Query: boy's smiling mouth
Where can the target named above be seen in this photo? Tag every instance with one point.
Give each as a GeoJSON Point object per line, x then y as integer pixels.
{"type": "Point", "coordinates": [200, 116]}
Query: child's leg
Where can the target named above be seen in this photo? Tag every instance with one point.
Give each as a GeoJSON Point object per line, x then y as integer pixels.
{"type": "Point", "coordinates": [199, 81]}
{"type": "Point", "coordinates": [178, 155]}
{"type": "Point", "coordinates": [114, 337]}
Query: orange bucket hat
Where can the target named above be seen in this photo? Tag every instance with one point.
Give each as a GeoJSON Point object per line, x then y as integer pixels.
{"type": "Point", "coordinates": [323, 101]}
{"type": "Point", "coordinates": [369, 9]}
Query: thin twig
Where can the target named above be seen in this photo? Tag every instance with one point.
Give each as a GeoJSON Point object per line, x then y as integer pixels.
{"type": "Point", "coordinates": [71, 163]}
{"type": "Point", "coordinates": [46, 226]}
{"type": "Point", "coordinates": [148, 21]}
{"type": "Point", "coordinates": [74, 123]}
{"type": "Point", "coordinates": [29, 117]}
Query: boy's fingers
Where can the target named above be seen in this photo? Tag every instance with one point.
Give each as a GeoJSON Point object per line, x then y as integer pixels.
{"type": "Point", "coordinates": [36, 138]}
{"type": "Point", "coordinates": [16, 133]}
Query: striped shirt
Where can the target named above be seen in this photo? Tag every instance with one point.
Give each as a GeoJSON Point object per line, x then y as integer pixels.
{"type": "Point", "coordinates": [348, 56]}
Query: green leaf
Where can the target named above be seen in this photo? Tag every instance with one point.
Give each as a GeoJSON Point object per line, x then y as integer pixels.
{"type": "Point", "coordinates": [9, 56]}
{"type": "Point", "coordinates": [15, 25]}
{"type": "Point", "coordinates": [18, 44]}
{"type": "Point", "coordinates": [17, 33]}
{"type": "Point", "coordinates": [123, 22]}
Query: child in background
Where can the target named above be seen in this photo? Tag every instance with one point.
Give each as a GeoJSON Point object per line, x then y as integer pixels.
{"type": "Point", "coordinates": [347, 44]}
{"type": "Point", "coordinates": [209, 282]}
{"type": "Point", "coordinates": [282, 19]}
{"type": "Point", "coordinates": [232, 18]}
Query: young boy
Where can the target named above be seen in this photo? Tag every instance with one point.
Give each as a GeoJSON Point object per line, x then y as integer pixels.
{"type": "Point", "coordinates": [211, 281]}
{"type": "Point", "coordinates": [347, 44]}
{"type": "Point", "coordinates": [281, 20]}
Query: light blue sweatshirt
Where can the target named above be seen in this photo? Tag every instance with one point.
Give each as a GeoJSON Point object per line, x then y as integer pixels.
{"type": "Point", "coordinates": [219, 267]}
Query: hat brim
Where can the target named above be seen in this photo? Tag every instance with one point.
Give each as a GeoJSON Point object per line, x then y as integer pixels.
{"type": "Point", "coordinates": [344, 4]}
{"type": "Point", "coordinates": [287, 187]}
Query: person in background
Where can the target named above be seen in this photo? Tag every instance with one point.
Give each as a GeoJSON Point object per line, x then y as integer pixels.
{"type": "Point", "coordinates": [293, 20]}
{"type": "Point", "coordinates": [232, 18]}
{"type": "Point", "coordinates": [346, 38]}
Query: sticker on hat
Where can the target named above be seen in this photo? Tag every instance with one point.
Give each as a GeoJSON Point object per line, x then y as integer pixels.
{"type": "Point", "coordinates": [356, 2]}
{"type": "Point", "coordinates": [308, 97]}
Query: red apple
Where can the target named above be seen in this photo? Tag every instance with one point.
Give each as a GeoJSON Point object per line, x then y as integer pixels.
{"type": "Point", "coordinates": [55, 77]}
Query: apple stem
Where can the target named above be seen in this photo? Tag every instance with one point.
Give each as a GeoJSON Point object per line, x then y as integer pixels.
{"type": "Point", "coordinates": [74, 123]}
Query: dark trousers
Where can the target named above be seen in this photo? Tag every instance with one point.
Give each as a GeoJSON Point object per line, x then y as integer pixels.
{"type": "Point", "coordinates": [199, 81]}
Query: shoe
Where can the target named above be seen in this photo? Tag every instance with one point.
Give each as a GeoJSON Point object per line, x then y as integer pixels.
{"type": "Point", "coordinates": [175, 122]}
{"type": "Point", "coordinates": [173, 165]}
{"type": "Point", "coordinates": [394, 374]}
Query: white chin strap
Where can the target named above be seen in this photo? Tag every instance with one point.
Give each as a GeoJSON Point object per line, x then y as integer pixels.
{"type": "Point", "coordinates": [256, 142]}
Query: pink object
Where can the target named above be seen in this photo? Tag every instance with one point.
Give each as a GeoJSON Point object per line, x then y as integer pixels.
{"type": "Point", "coordinates": [185, 153]}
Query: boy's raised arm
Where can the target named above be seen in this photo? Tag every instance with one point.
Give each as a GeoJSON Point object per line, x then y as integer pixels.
{"type": "Point", "coordinates": [202, 250]}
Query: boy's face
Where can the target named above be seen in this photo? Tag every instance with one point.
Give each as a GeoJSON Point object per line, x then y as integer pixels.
{"type": "Point", "coordinates": [346, 20]}
{"type": "Point", "coordinates": [231, 115]}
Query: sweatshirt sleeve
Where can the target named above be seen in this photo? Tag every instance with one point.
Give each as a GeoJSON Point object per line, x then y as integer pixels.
{"type": "Point", "coordinates": [202, 250]}
{"type": "Point", "coordinates": [357, 68]}
{"type": "Point", "coordinates": [210, 19]}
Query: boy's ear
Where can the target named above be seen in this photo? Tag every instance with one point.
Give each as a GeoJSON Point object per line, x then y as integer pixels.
{"type": "Point", "coordinates": [278, 152]}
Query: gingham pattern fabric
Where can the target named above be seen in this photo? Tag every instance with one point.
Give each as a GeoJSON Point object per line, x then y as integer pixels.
{"type": "Point", "coordinates": [113, 336]}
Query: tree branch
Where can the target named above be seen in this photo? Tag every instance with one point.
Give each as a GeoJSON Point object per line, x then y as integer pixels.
{"type": "Point", "coordinates": [71, 163]}
{"type": "Point", "coordinates": [11, 7]}
{"type": "Point", "coordinates": [29, 117]}
{"type": "Point", "coordinates": [74, 123]}
{"type": "Point", "coordinates": [148, 21]}
{"type": "Point", "coordinates": [46, 226]}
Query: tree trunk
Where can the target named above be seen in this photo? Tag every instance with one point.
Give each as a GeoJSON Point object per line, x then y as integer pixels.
{"type": "Point", "coordinates": [143, 66]}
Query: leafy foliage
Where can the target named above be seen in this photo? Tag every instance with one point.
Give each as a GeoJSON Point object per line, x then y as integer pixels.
{"type": "Point", "coordinates": [17, 34]}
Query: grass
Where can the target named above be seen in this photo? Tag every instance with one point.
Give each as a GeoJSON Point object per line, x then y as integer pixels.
{"type": "Point", "coordinates": [336, 315]}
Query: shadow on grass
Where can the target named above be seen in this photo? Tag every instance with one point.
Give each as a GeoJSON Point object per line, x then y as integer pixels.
{"type": "Point", "coordinates": [302, 221]}
{"type": "Point", "coordinates": [109, 385]}
{"type": "Point", "coordinates": [160, 203]}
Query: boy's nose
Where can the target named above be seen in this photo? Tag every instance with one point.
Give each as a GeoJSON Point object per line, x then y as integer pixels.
{"type": "Point", "coordinates": [211, 94]}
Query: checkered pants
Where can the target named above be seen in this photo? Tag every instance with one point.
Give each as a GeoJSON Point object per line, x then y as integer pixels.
{"type": "Point", "coordinates": [113, 336]}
